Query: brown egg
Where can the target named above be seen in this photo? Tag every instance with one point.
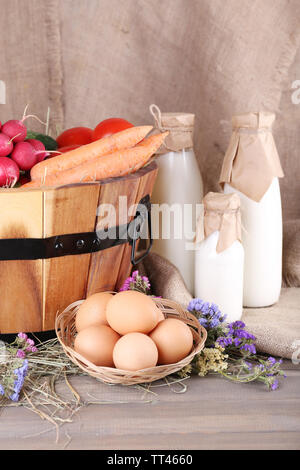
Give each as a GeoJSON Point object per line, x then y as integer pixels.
{"type": "Point", "coordinates": [160, 316]}
{"type": "Point", "coordinates": [131, 311]}
{"type": "Point", "coordinates": [92, 311]}
{"type": "Point", "coordinates": [96, 343]}
{"type": "Point", "coordinates": [174, 340]}
{"type": "Point", "coordinates": [135, 351]}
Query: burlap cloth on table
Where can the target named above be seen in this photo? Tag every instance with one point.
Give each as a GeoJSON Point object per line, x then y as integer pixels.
{"type": "Point", "coordinates": [276, 328]}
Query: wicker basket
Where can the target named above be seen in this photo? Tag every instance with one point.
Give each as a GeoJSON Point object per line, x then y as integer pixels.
{"type": "Point", "coordinates": [65, 330]}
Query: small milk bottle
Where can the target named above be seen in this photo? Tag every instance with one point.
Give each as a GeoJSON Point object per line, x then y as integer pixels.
{"type": "Point", "coordinates": [177, 193]}
{"type": "Point", "coordinates": [251, 169]}
{"type": "Point", "coordinates": [219, 258]}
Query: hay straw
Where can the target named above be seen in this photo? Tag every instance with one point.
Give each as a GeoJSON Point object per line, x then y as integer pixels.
{"type": "Point", "coordinates": [50, 366]}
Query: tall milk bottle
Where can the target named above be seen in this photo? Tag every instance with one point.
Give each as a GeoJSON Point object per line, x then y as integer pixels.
{"type": "Point", "coordinates": [219, 257]}
{"type": "Point", "coordinates": [251, 169]}
{"type": "Point", "coordinates": [177, 193]}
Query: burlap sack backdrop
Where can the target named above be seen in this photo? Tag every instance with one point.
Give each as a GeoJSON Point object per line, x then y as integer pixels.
{"type": "Point", "coordinates": [31, 61]}
{"type": "Point", "coordinates": [213, 58]}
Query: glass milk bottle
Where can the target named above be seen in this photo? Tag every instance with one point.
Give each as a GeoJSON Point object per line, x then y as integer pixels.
{"type": "Point", "coordinates": [178, 191]}
{"type": "Point", "coordinates": [251, 169]}
{"type": "Point", "coordinates": [219, 258]}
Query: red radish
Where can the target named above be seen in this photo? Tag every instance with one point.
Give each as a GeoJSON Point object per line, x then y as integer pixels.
{"type": "Point", "coordinates": [6, 145]}
{"type": "Point", "coordinates": [41, 152]}
{"type": "Point", "coordinates": [16, 130]}
{"type": "Point", "coordinates": [9, 172]}
{"type": "Point", "coordinates": [0, 125]}
{"type": "Point", "coordinates": [24, 155]}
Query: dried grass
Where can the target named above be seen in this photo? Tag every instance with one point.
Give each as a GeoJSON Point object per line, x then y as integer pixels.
{"type": "Point", "coordinates": [50, 366]}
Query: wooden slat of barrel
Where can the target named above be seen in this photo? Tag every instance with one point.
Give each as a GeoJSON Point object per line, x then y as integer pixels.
{"type": "Point", "coordinates": [105, 265]}
{"type": "Point", "coordinates": [70, 209]}
{"type": "Point", "coordinates": [21, 309]}
{"type": "Point", "coordinates": [146, 183]}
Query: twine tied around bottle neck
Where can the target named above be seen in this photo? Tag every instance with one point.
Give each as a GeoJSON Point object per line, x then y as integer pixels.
{"type": "Point", "coordinates": [179, 125]}
{"type": "Point", "coordinates": [248, 130]}
{"type": "Point", "coordinates": [221, 212]}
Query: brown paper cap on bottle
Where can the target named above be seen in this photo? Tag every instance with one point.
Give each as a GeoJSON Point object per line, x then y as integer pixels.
{"type": "Point", "coordinates": [180, 127]}
{"type": "Point", "coordinates": [251, 161]}
{"type": "Point", "coordinates": [222, 212]}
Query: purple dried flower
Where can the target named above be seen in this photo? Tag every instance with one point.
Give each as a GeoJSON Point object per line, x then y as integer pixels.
{"type": "Point", "coordinates": [22, 336]}
{"type": "Point", "coordinates": [248, 347]}
{"type": "Point", "coordinates": [1, 390]}
{"type": "Point", "coordinates": [274, 385]}
{"type": "Point", "coordinates": [224, 341]}
{"type": "Point", "coordinates": [14, 396]}
{"type": "Point", "coordinates": [238, 324]}
{"type": "Point", "coordinates": [146, 281]}
{"type": "Point", "coordinates": [126, 285]}
{"type": "Point", "coordinates": [238, 338]}
{"type": "Point", "coordinates": [214, 322]}
{"type": "Point", "coordinates": [136, 282]}
{"type": "Point", "coordinates": [203, 322]}
{"type": "Point", "coordinates": [241, 334]}
{"type": "Point", "coordinates": [248, 365]}
{"type": "Point", "coordinates": [21, 354]}
{"type": "Point", "coordinates": [20, 374]}
{"type": "Point", "coordinates": [31, 349]}
{"type": "Point", "coordinates": [30, 342]}
{"type": "Point", "coordinates": [209, 314]}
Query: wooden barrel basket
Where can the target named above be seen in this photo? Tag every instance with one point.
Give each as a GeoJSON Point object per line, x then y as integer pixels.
{"type": "Point", "coordinates": [50, 251]}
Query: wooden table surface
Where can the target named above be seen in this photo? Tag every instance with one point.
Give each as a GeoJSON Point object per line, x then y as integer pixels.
{"type": "Point", "coordinates": [213, 413]}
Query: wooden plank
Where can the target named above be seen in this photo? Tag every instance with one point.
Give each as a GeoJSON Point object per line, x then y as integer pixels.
{"type": "Point", "coordinates": [105, 265]}
{"type": "Point", "coordinates": [146, 183]}
{"type": "Point", "coordinates": [69, 209]}
{"type": "Point", "coordinates": [213, 413]}
{"type": "Point", "coordinates": [21, 216]}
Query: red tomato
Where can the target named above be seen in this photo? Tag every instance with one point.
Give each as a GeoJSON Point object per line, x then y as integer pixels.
{"type": "Point", "coordinates": [64, 150]}
{"type": "Point", "coordinates": [109, 127]}
{"type": "Point", "coordinates": [75, 136]}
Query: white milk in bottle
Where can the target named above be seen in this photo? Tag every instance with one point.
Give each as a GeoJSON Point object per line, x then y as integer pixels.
{"type": "Point", "coordinates": [251, 169]}
{"type": "Point", "coordinates": [178, 191]}
{"type": "Point", "coordinates": [219, 258]}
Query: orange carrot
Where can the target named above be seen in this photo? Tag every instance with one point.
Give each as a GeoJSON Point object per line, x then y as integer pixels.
{"type": "Point", "coordinates": [109, 166]}
{"type": "Point", "coordinates": [119, 141]}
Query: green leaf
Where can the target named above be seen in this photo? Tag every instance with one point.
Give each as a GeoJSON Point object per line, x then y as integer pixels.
{"type": "Point", "coordinates": [49, 142]}
{"type": "Point", "coordinates": [31, 135]}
